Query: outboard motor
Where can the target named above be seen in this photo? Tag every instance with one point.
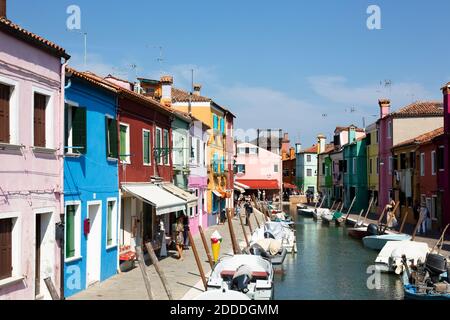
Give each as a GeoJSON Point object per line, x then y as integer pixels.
{"type": "Point", "coordinates": [436, 265]}
{"type": "Point", "coordinates": [257, 250]}
{"type": "Point", "coordinates": [268, 235]}
{"type": "Point", "coordinates": [241, 279]}
{"type": "Point", "coordinates": [372, 229]}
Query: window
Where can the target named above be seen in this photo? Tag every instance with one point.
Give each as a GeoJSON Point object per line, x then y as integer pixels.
{"type": "Point", "coordinates": [6, 259]}
{"type": "Point", "coordinates": [124, 143]}
{"type": "Point", "coordinates": [433, 163]}
{"type": "Point", "coordinates": [391, 163]}
{"type": "Point", "coordinates": [166, 146]}
{"type": "Point", "coordinates": [422, 164]}
{"type": "Point", "coordinates": [402, 161]}
{"type": "Point", "coordinates": [323, 168]}
{"type": "Point", "coordinates": [222, 125]}
{"type": "Point", "coordinates": [111, 138]}
{"type": "Point", "coordinates": [440, 158]}
{"type": "Point", "coordinates": [378, 165]}
{"type": "Point", "coordinates": [73, 230]}
{"type": "Point", "coordinates": [309, 172]}
{"type": "Point", "coordinates": [253, 150]}
{"type": "Point", "coordinates": [369, 139]}
{"type": "Point", "coordinates": [412, 159]}
{"type": "Point", "coordinates": [146, 147]}
{"type": "Point", "coordinates": [198, 151]}
{"type": "Point", "coordinates": [345, 166]}
{"type": "Point", "coordinates": [433, 212]}
{"type": "Point", "coordinates": [216, 162]}
{"type": "Point", "coordinates": [389, 128]}
{"type": "Point", "coordinates": [370, 166]}
{"type": "Point", "coordinates": [111, 221]}
{"type": "Point", "coordinates": [158, 146]}
{"type": "Point", "coordinates": [241, 150]}
{"type": "Point", "coordinates": [308, 158]}
{"type": "Point", "coordinates": [240, 168]}
{"type": "Point", "coordinates": [275, 168]}
{"type": "Point", "coordinates": [39, 119]}
{"type": "Point", "coordinates": [378, 136]}
{"type": "Point", "coordinates": [215, 123]}
{"type": "Point", "coordinates": [75, 129]}
{"type": "Point", "coordinates": [354, 166]}
{"type": "Point", "coordinates": [5, 96]}
{"type": "Point", "coordinates": [285, 172]}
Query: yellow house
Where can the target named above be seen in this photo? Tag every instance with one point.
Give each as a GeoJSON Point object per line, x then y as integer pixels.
{"type": "Point", "coordinates": [219, 150]}
{"type": "Point", "coordinates": [373, 163]}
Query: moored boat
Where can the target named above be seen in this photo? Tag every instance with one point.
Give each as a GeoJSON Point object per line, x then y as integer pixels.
{"type": "Point", "coordinates": [270, 249]}
{"type": "Point", "coordinates": [222, 294]}
{"type": "Point", "coordinates": [277, 230]}
{"type": "Point", "coordinates": [390, 257]}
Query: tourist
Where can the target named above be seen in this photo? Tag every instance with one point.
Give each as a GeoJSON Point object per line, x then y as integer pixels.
{"type": "Point", "coordinates": [248, 211]}
{"type": "Point", "coordinates": [179, 229]}
{"type": "Point", "coordinates": [222, 216]}
{"type": "Point", "coordinates": [392, 220]}
{"type": "Point", "coordinates": [185, 231]}
{"type": "Point", "coordinates": [425, 216]}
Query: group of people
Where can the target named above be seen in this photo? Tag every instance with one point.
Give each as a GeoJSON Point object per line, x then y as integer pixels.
{"type": "Point", "coordinates": [181, 235]}
{"type": "Point", "coordinates": [420, 212]}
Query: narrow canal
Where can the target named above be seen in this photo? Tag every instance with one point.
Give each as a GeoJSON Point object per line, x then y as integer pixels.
{"type": "Point", "coordinates": [330, 265]}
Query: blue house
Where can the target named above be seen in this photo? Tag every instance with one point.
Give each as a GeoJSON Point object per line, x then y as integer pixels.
{"type": "Point", "coordinates": [91, 183]}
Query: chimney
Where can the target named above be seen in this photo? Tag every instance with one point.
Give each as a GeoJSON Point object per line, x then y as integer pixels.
{"type": "Point", "coordinates": [321, 140]}
{"type": "Point", "coordinates": [166, 90]}
{"type": "Point", "coordinates": [197, 88]}
{"type": "Point", "coordinates": [2, 8]}
{"type": "Point", "coordinates": [385, 107]}
{"type": "Point", "coordinates": [298, 148]}
{"type": "Point", "coordinates": [351, 134]}
{"type": "Point", "coordinates": [446, 93]}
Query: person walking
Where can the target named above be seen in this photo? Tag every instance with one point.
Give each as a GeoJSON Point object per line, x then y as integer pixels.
{"type": "Point", "coordinates": [179, 229]}
{"type": "Point", "coordinates": [391, 218]}
{"type": "Point", "coordinates": [185, 231]}
{"type": "Point", "coordinates": [425, 216]}
{"type": "Point", "coordinates": [248, 211]}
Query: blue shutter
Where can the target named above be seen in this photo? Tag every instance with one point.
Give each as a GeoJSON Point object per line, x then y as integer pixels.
{"type": "Point", "coordinates": [222, 125]}
{"type": "Point", "coordinates": [215, 124]}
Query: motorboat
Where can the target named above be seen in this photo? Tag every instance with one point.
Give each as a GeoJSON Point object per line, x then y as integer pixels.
{"type": "Point", "coordinates": [222, 294]}
{"type": "Point", "coordinates": [248, 274]}
{"type": "Point", "coordinates": [277, 230]}
{"type": "Point", "coordinates": [305, 210]}
{"type": "Point", "coordinates": [270, 249]}
{"type": "Point", "coordinates": [430, 279]}
{"type": "Point", "coordinates": [377, 242]}
{"type": "Point", "coordinates": [360, 229]}
{"type": "Point", "coordinates": [319, 213]}
{"type": "Point", "coordinates": [390, 257]}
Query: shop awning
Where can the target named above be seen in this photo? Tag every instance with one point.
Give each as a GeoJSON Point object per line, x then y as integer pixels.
{"type": "Point", "coordinates": [260, 184]}
{"type": "Point", "coordinates": [289, 186]}
{"type": "Point", "coordinates": [217, 193]}
{"type": "Point", "coordinates": [162, 200]}
{"type": "Point", "coordinates": [190, 198]}
{"type": "Point", "coordinates": [241, 185]}
{"type": "Point", "coordinates": [238, 188]}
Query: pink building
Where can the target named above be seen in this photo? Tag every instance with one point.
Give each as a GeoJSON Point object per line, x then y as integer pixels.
{"type": "Point", "coordinates": [396, 127]}
{"type": "Point", "coordinates": [31, 154]}
{"type": "Point", "coordinates": [258, 169]}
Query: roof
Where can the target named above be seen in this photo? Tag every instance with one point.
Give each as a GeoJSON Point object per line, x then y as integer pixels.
{"type": "Point", "coordinates": [260, 184]}
{"type": "Point", "coordinates": [32, 38]}
{"type": "Point", "coordinates": [312, 149]}
{"type": "Point", "coordinates": [423, 138]}
{"type": "Point", "coordinates": [179, 95]}
{"type": "Point", "coordinates": [91, 78]}
{"type": "Point", "coordinates": [328, 148]}
{"type": "Point", "coordinates": [420, 109]}
{"type": "Point", "coordinates": [339, 129]}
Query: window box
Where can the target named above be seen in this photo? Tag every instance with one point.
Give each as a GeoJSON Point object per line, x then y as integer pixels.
{"type": "Point", "coordinates": [8, 146]}
{"type": "Point", "coordinates": [10, 281]}
{"type": "Point", "coordinates": [72, 155]}
{"type": "Point", "coordinates": [43, 150]}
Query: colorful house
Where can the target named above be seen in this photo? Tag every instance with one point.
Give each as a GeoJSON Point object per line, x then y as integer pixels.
{"type": "Point", "coordinates": [258, 171]}
{"type": "Point", "coordinates": [289, 166]}
{"type": "Point", "coordinates": [373, 163]}
{"type": "Point", "coordinates": [406, 123]}
{"type": "Point", "coordinates": [31, 153]}
{"type": "Point", "coordinates": [91, 182]}
{"type": "Point", "coordinates": [443, 176]}
{"type": "Point", "coordinates": [355, 171]}
{"type": "Point", "coordinates": [307, 169]}
{"type": "Point", "coordinates": [324, 167]}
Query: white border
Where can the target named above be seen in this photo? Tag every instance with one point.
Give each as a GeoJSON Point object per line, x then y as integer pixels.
{"type": "Point", "coordinates": [14, 112]}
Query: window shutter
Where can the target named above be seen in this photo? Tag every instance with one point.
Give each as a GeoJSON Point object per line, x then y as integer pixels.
{"type": "Point", "coordinates": [79, 128]}
{"type": "Point", "coordinates": [4, 113]}
{"type": "Point", "coordinates": [40, 102]}
{"type": "Point", "coordinates": [215, 124]}
{"type": "Point", "coordinates": [123, 143]}
{"type": "Point", "coordinates": [70, 231]}
{"type": "Point", "coordinates": [222, 125]}
{"type": "Point", "coordinates": [109, 225]}
{"type": "Point", "coordinates": [113, 137]}
{"type": "Point", "coordinates": [198, 151]}
{"type": "Point", "coordinates": [146, 147]}
{"type": "Point", "coordinates": [5, 248]}
{"type": "Point", "coordinates": [66, 126]}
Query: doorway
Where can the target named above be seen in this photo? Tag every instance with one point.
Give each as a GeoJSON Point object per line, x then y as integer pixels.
{"type": "Point", "coordinates": [94, 240]}
{"type": "Point", "coordinates": [44, 254]}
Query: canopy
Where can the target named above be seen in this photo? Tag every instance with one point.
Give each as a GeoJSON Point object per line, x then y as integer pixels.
{"type": "Point", "coordinates": [238, 188]}
{"type": "Point", "coordinates": [183, 194]}
{"type": "Point", "coordinates": [217, 193]}
{"type": "Point", "coordinates": [287, 185]}
{"type": "Point", "coordinates": [162, 200]}
{"type": "Point", "coordinates": [260, 184]}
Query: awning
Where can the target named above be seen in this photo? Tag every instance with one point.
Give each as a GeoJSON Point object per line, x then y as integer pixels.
{"type": "Point", "coordinates": [217, 193]}
{"type": "Point", "coordinates": [289, 186]}
{"type": "Point", "coordinates": [237, 188]}
{"type": "Point", "coordinates": [162, 200]}
{"type": "Point", "coordinates": [190, 198]}
{"type": "Point", "coordinates": [260, 184]}
{"type": "Point", "coordinates": [241, 185]}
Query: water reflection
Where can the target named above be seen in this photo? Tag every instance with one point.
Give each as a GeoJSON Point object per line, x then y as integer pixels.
{"type": "Point", "coordinates": [331, 266]}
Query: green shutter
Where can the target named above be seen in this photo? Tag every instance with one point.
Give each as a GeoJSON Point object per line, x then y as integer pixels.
{"type": "Point", "coordinates": [123, 143]}
{"type": "Point", "coordinates": [146, 141]}
{"type": "Point", "coordinates": [79, 129]}
{"type": "Point", "coordinates": [113, 143]}
{"type": "Point", "coordinates": [166, 146]}
{"type": "Point", "coordinates": [158, 146]}
{"type": "Point", "coordinates": [70, 232]}
{"type": "Point", "coordinates": [109, 225]}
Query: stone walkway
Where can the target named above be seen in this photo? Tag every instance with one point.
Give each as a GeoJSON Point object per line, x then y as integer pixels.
{"type": "Point", "coordinates": [183, 276]}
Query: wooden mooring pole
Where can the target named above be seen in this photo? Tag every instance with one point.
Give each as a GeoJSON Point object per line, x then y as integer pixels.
{"type": "Point", "coordinates": [256, 219]}
{"type": "Point", "coordinates": [243, 230]}
{"type": "Point", "coordinates": [197, 260]}
{"type": "Point", "coordinates": [205, 245]}
{"type": "Point", "coordinates": [234, 243]}
{"type": "Point", "coordinates": [159, 270]}
{"type": "Point", "coordinates": [141, 264]}
{"type": "Point", "coordinates": [51, 288]}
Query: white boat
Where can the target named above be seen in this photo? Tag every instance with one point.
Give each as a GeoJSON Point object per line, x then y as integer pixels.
{"type": "Point", "coordinates": [320, 212]}
{"type": "Point", "coordinates": [390, 257]}
{"type": "Point", "coordinates": [377, 242]}
{"type": "Point", "coordinates": [248, 274]}
{"type": "Point", "coordinates": [222, 294]}
{"type": "Point", "coordinates": [277, 230]}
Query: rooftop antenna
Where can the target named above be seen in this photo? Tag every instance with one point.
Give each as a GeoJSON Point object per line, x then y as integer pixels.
{"type": "Point", "coordinates": [160, 59]}
{"type": "Point", "coordinates": [190, 92]}
{"type": "Point", "coordinates": [85, 45]}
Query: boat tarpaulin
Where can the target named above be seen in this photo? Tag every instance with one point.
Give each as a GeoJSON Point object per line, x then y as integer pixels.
{"type": "Point", "coordinates": [190, 198]}
{"type": "Point", "coordinates": [162, 200]}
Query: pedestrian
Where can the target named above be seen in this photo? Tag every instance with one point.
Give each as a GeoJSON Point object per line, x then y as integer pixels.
{"type": "Point", "coordinates": [391, 215]}
{"type": "Point", "coordinates": [185, 231]}
{"type": "Point", "coordinates": [179, 229]}
{"type": "Point", "coordinates": [248, 211]}
{"type": "Point", "coordinates": [222, 216]}
{"type": "Point", "coordinates": [425, 216]}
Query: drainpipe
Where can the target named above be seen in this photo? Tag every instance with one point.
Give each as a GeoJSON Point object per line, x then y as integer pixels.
{"type": "Point", "coordinates": [61, 134]}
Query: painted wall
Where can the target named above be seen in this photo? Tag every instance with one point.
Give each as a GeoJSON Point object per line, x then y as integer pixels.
{"type": "Point", "coordinates": [372, 155]}
{"type": "Point", "coordinates": [408, 128]}
{"type": "Point", "coordinates": [444, 178]}
{"type": "Point", "coordinates": [304, 181]}
{"type": "Point", "coordinates": [31, 182]}
{"type": "Point", "coordinates": [92, 179]}
{"type": "Point", "coordinates": [356, 177]}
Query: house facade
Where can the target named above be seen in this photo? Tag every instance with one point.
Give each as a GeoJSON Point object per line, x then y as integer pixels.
{"type": "Point", "coordinates": [306, 171]}
{"type": "Point", "coordinates": [373, 163]}
{"type": "Point", "coordinates": [91, 183]}
{"type": "Point", "coordinates": [443, 176]}
{"type": "Point", "coordinates": [31, 153]}
{"type": "Point", "coordinates": [289, 165]}
{"type": "Point", "coordinates": [324, 175]}
{"type": "Point", "coordinates": [404, 124]}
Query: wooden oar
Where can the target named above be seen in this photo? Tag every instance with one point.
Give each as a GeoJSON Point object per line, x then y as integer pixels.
{"type": "Point", "coordinates": [359, 217]}
{"type": "Point", "coordinates": [419, 221]}
{"type": "Point", "coordinates": [391, 217]}
{"type": "Point", "coordinates": [332, 206]}
{"type": "Point", "coordinates": [382, 215]}
{"type": "Point", "coordinates": [403, 221]}
{"type": "Point", "coordinates": [321, 203]}
{"type": "Point", "coordinates": [368, 210]}
{"type": "Point", "coordinates": [350, 208]}
{"type": "Point", "coordinates": [441, 240]}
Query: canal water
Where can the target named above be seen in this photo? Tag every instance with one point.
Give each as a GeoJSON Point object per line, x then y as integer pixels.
{"type": "Point", "coordinates": [330, 265]}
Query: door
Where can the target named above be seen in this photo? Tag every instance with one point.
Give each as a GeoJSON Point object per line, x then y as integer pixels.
{"type": "Point", "coordinates": [5, 248]}
{"type": "Point", "coordinates": [37, 268]}
{"type": "Point", "coordinates": [44, 254]}
{"type": "Point", "coordinates": [94, 240]}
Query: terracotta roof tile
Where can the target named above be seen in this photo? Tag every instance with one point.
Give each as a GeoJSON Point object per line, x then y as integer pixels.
{"type": "Point", "coordinates": [179, 95]}
{"type": "Point", "coordinates": [423, 138]}
{"type": "Point", "coordinates": [328, 148]}
{"type": "Point", "coordinates": [312, 149]}
{"type": "Point", "coordinates": [16, 30]}
{"type": "Point", "coordinates": [420, 109]}
{"type": "Point", "coordinates": [339, 129]}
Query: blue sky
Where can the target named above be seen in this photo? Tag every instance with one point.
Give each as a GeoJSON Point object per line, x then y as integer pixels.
{"type": "Point", "coordinates": [275, 64]}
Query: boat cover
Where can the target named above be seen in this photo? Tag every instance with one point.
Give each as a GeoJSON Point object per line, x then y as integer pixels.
{"type": "Point", "coordinates": [273, 246]}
